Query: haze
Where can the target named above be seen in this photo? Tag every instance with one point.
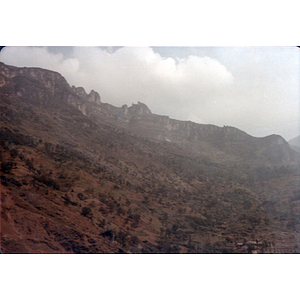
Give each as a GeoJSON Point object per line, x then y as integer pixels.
{"type": "Point", "coordinates": [255, 89]}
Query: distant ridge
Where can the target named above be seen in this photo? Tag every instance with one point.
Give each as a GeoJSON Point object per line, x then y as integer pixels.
{"type": "Point", "coordinates": [295, 143]}
{"type": "Point", "coordinates": [49, 88]}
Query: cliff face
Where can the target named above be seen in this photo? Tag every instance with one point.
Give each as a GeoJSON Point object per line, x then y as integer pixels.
{"type": "Point", "coordinates": [47, 88]}
{"type": "Point", "coordinates": [41, 87]}
{"type": "Point", "coordinates": [139, 120]}
{"type": "Point", "coordinates": [34, 84]}
{"type": "Point", "coordinates": [92, 97]}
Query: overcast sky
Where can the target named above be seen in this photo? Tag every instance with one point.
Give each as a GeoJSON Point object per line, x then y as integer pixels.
{"type": "Point", "coordinates": [255, 89]}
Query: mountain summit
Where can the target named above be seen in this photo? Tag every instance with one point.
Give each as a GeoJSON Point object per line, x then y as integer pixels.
{"type": "Point", "coordinates": [82, 176]}
{"type": "Point", "coordinates": [44, 88]}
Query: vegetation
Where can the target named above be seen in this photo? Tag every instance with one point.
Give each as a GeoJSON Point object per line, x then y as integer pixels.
{"type": "Point", "coordinates": [73, 183]}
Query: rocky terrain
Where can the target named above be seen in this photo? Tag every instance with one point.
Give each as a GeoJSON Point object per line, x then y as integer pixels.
{"type": "Point", "coordinates": [82, 176]}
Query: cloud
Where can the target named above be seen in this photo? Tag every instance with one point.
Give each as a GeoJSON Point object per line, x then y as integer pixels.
{"type": "Point", "coordinates": [129, 74]}
{"type": "Point", "coordinates": [139, 74]}
{"type": "Point", "coordinates": [254, 89]}
{"type": "Point", "coordinates": [31, 56]}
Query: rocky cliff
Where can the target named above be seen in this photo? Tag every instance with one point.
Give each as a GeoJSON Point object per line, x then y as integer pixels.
{"type": "Point", "coordinates": [42, 87]}
{"type": "Point", "coordinates": [47, 88]}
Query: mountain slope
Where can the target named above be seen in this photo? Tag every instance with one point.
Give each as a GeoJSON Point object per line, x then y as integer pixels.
{"type": "Point", "coordinates": [82, 176]}
{"type": "Point", "coordinates": [295, 143]}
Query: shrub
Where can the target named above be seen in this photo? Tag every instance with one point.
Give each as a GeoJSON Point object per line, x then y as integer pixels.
{"type": "Point", "coordinates": [47, 181]}
{"type": "Point", "coordinates": [111, 206]}
{"type": "Point", "coordinates": [29, 164]}
{"type": "Point", "coordinates": [86, 212]}
{"type": "Point", "coordinates": [14, 153]}
{"type": "Point", "coordinates": [136, 217]}
{"type": "Point", "coordinates": [134, 224]}
{"type": "Point", "coordinates": [134, 241]}
{"type": "Point", "coordinates": [174, 228]}
{"type": "Point", "coordinates": [121, 237]}
{"type": "Point", "coordinates": [81, 196]}
{"type": "Point", "coordinates": [103, 210]}
{"type": "Point", "coordinates": [121, 211]}
{"type": "Point", "coordinates": [6, 167]}
{"type": "Point", "coordinates": [67, 199]}
{"type": "Point", "coordinates": [102, 223]}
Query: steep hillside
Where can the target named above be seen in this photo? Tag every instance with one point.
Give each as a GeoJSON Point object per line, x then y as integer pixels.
{"type": "Point", "coordinates": [82, 176]}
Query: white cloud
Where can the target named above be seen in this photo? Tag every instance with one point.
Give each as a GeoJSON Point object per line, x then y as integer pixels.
{"type": "Point", "coordinates": [31, 56]}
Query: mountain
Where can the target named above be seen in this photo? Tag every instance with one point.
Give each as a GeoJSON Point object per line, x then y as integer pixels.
{"type": "Point", "coordinates": [82, 176]}
{"type": "Point", "coordinates": [295, 143]}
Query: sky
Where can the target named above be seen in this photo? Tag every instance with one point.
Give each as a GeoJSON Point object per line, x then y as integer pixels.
{"type": "Point", "coordinates": [255, 89]}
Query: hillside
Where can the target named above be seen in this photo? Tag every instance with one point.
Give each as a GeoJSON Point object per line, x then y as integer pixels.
{"type": "Point", "coordinates": [82, 176]}
{"type": "Point", "coordinates": [295, 143]}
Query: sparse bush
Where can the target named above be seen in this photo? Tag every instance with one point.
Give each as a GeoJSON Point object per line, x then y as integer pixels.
{"type": "Point", "coordinates": [146, 200]}
{"type": "Point", "coordinates": [48, 147]}
{"type": "Point", "coordinates": [191, 246]}
{"type": "Point", "coordinates": [196, 222]}
{"type": "Point", "coordinates": [225, 251]}
{"type": "Point", "coordinates": [265, 244]}
{"type": "Point", "coordinates": [86, 212]}
{"type": "Point", "coordinates": [81, 196]}
{"type": "Point", "coordinates": [165, 247]}
{"type": "Point", "coordinates": [67, 199]}
{"type": "Point", "coordinates": [134, 216]}
{"type": "Point", "coordinates": [103, 210]}
{"type": "Point", "coordinates": [207, 248]}
{"type": "Point", "coordinates": [14, 153]}
{"type": "Point", "coordinates": [134, 241]}
{"type": "Point", "coordinates": [92, 204]}
{"type": "Point", "coordinates": [29, 164]}
{"type": "Point", "coordinates": [121, 211]}
{"type": "Point", "coordinates": [250, 248]}
{"type": "Point", "coordinates": [228, 239]}
{"type": "Point", "coordinates": [47, 181]}
{"type": "Point", "coordinates": [174, 228]}
{"type": "Point", "coordinates": [111, 206]}
{"type": "Point", "coordinates": [6, 167]}
{"type": "Point", "coordinates": [134, 224]}
{"type": "Point", "coordinates": [121, 237]}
